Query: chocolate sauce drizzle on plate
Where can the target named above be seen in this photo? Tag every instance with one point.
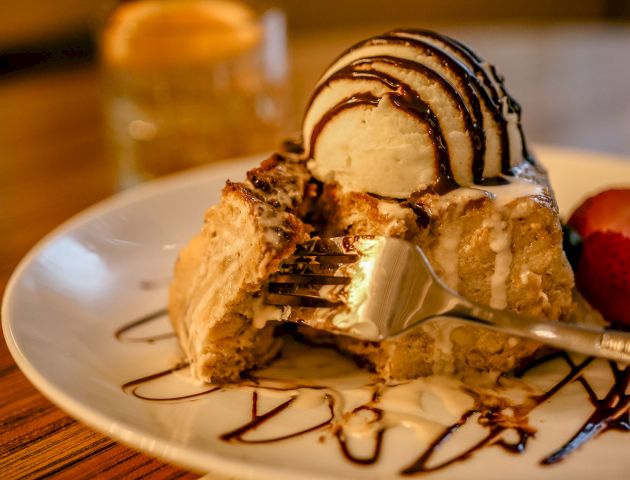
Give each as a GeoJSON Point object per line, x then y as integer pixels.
{"type": "Point", "coordinates": [132, 387]}
{"type": "Point", "coordinates": [611, 412]}
{"type": "Point", "coordinates": [238, 435]}
{"type": "Point", "coordinates": [496, 424]}
{"type": "Point", "coordinates": [123, 334]}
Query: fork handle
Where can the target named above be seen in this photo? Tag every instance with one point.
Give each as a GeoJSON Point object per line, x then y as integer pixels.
{"type": "Point", "coordinates": [611, 344]}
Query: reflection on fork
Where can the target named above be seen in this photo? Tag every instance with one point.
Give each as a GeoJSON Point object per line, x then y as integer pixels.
{"type": "Point", "coordinates": [389, 284]}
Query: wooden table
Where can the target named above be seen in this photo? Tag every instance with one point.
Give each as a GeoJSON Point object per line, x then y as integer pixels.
{"type": "Point", "coordinates": [53, 164]}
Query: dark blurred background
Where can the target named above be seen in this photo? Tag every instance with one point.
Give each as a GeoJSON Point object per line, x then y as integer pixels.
{"type": "Point", "coordinates": [567, 62]}
{"type": "Point", "coordinates": [36, 32]}
{"type": "Point", "coordinates": [31, 22]}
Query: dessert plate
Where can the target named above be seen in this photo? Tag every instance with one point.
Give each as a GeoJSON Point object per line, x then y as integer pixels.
{"type": "Point", "coordinates": [83, 317]}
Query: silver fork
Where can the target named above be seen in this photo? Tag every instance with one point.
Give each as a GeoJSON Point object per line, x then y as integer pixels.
{"type": "Point", "coordinates": [389, 285]}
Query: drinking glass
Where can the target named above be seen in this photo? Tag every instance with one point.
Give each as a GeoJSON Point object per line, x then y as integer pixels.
{"type": "Point", "coordinates": [188, 82]}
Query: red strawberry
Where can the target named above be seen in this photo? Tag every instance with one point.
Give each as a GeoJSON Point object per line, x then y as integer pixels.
{"type": "Point", "coordinates": [606, 211]}
{"type": "Point", "coordinates": [603, 275]}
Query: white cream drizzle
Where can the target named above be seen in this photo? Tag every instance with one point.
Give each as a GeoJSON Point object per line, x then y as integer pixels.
{"type": "Point", "coordinates": [263, 313]}
{"type": "Point", "coordinates": [440, 332]}
{"type": "Point", "coordinates": [448, 253]}
{"type": "Point", "coordinates": [392, 209]}
{"type": "Point", "coordinates": [500, 244]}
{"type": "Point", "coordinates": [424, 405]}
{"type": "Point", "coordinates": [448, 245]}
{"type": "Point", "coordinates": [500, 241]}
{"type": "Point", "coordinates": [515, 189]}
{"type": "Point", "coordinates": [396, 213]}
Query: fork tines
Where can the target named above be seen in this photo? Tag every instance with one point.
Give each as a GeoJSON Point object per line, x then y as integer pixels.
{"type": "Point", "coordinates": [304, 275]}
{"type": "Point", "coordinates": [306, 279]}
{"type": "Point", "coordinates": [295, 300]}
{"type": "Point", "coordinates": [323, 258]}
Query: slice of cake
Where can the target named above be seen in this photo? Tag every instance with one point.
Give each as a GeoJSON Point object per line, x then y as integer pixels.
{"type": "Point", "coordinates": [408, 134]}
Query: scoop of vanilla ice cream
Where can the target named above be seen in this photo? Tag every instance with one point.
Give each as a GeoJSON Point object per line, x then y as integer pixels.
{"type": "Point", "coordinates": [407, 110]}
{"type": "Point", "coordinates": [386, 153]}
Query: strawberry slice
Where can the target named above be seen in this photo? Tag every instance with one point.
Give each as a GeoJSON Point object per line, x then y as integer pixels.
{"type": "Point", "coordinates": [603, 275]}
{"type": "Point", "coordinates": [606, 211]}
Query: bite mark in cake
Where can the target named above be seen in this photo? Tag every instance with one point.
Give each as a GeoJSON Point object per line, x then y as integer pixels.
{"type": "Point", "coordinates": [216, 291]}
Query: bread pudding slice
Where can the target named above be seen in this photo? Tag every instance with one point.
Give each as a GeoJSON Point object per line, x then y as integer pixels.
{"type": "Point", "coordinates": [215, 293]}
{"type": "Point", "coordinates": [498, 246]}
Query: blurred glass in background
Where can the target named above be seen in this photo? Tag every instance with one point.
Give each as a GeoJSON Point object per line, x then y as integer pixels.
{"type": "Point", "coordinates": [189, 82]}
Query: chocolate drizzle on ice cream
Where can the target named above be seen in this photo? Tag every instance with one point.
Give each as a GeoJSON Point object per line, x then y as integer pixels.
{"type": "Point", "coordinates": [467, 125]}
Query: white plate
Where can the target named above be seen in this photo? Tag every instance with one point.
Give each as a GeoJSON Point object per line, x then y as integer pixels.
{"type": "Point", "coordinates": [110, 264]}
